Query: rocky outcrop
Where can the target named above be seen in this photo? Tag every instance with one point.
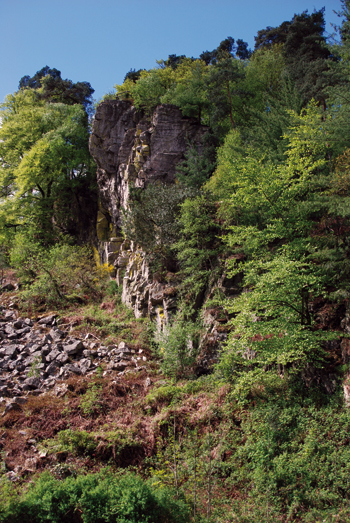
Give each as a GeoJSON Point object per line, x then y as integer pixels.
{"type": "Point", "coordinates": [144, 294]}
{"type": "Point", "coordinates": [132, 150]}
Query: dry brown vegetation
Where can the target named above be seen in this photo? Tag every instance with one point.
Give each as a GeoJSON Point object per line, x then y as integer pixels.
{"type": "Point", "coordinates": [126, 428]}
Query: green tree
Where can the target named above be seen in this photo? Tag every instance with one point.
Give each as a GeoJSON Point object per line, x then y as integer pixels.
{"type": "Point", "coordinates": [198, 248]}
{"type": "Point", "coordinates": [46, 166]}
{"type": "Point", "coordinates": [226, 94]}
{"type": "Point", "coordinates": [146, 92]}
{"type": "Point", "coordinates": [189, 90]}
{"type": "Point", "coordinates": [259, 192]}
{"type": "Point", "coordinates": [198, 166]}
{"type": "Point", "coordinates": [174, 60]}
{"type": "Point", "coordinates": [273, 326]}
{"type": "Point", "coordinates": [178, 348]}
{"type": "Point", "coordinates": [151, 219]}
{"type": "Point", "coordinates": [274, 210]}
{"type": "Point", "coordinates": [55, 274]}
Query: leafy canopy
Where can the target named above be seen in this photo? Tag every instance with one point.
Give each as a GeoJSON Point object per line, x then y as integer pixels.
{"type": "Point", "coordinates": [44, 148]}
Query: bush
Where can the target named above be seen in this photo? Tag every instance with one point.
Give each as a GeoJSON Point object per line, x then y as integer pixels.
{"type": "Point", "coordinates": [62, 273]}
{"type": "Point", "coordinates": [95, 498]}
{"type": "Point", "coordinates": [151, 220]}
{"type": "Point", "coordinates": [178, 348]}
{"type": "Point", "coordinates": [91, 401]}
{"type": "Point", "coordinates": [295, 453]}
{"type": "Point", "coordinates": [77, 441]}
{"type": "Point", "coordinates": [166, 393]}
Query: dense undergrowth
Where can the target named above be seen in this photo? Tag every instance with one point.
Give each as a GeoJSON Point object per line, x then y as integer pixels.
{"type": "Point", "coordinates": [175, 450]}
{"type": "Point", "coordinates": [284, 455]}
{"type": "Point", "coordinates": [92, 498]}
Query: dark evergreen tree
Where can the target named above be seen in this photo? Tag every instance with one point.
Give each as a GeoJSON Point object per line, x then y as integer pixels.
{"type": "Point", "coordinates": [34, 82]}
{"type": "Point", "coordinates": [58, 90]}
{"type": "Point", "coordinates": [226, 49]}
{"type": "Point", "coordinates": [272, 35]}
{"type": "Point", "coordinates": [174, 60]}
{"type": "Point", "coordinates": [198, 166]}
{"type": "Point", "coordinates": [207, 56]}
{"type": "Point", "coordinates": [226, 94]}
{"type": "Point", "coordinates": [242, 50]}
{"type": "Point", "coordinates": [133, 75]}
{"type": "Point", "coordinates": [306, 53]}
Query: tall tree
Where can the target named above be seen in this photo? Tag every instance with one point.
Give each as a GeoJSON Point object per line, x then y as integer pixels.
{"type": "Point", "coordinates": [306, 53]}
{"type": "Point", "coordinates": [55, 89]}
{"type": "Point", "coordinates": [226, 93]}
{"type": "Point", "coordinates": [46, 170]}
{"type": "Point", "coordinates": [273, 214]}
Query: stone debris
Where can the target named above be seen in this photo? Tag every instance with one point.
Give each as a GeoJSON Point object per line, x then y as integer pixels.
{"type": "Point", "coordinates": [32, 360]}
{"type": "Point", "coordinates": [47, 320]}
{"type": "Point", "coordinates": [12, 476]}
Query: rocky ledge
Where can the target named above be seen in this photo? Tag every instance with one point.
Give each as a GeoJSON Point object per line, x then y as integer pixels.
{"type": "Point", "coordinates": [36, 356]}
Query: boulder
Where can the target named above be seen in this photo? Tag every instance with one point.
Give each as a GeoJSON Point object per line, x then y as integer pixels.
{"type": "Point", "coordinates": [56, 334]}
{"type": "Point", "coordinates": [52, 355]}
{"type": "Point", "coordinates": [11, 350]}
{"type": "Point", "coordinates": [31, 383]}
{"type": "Point", "coordinates": [85, 364]}
{"type": "Point", "coordinates": [72, 369]}
{"type": "Point", "coordinates": [3, 390]}
{"type": "Point", "coordinates": [52, 368]}
{"type": "Point", "coordinates": [47, 320]}
{"type": "Point", "coordinates": [76, 347]}
{"type": "Point", "coordinates": [62, 358]}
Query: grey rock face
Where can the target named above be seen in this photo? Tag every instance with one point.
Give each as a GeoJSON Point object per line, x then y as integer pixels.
{"type": "Point", "coordinates": [131, 149]}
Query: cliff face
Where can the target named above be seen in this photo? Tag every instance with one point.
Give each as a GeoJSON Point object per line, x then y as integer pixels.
{"type": "Point", "coordinates": [130, 149]}
{"type": "Point", "coordinates": [133, 150]}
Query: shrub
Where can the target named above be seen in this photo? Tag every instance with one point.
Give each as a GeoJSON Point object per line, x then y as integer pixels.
{"type": "Point", "coordinates": [101, 497]}
{"type": "Point", "coordinates": [295, 453]}
{"type": "Point", "coordinates": [177, 346]}
{"type": "Point", "coordinates": [164, 394]}
{"type": "Point", "coordinates": [62, 273]}
{"type": "Point", "coordinates": [77, 441]}
{"type": "Point", "coordinates": [91, 401]}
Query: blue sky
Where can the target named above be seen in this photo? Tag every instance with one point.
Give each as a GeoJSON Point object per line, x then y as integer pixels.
{"type": "Point", "coordinates": [99, 41]}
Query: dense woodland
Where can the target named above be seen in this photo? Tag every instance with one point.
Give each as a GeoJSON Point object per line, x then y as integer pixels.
{"type": "Point", "coordinates": [266, 204]}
